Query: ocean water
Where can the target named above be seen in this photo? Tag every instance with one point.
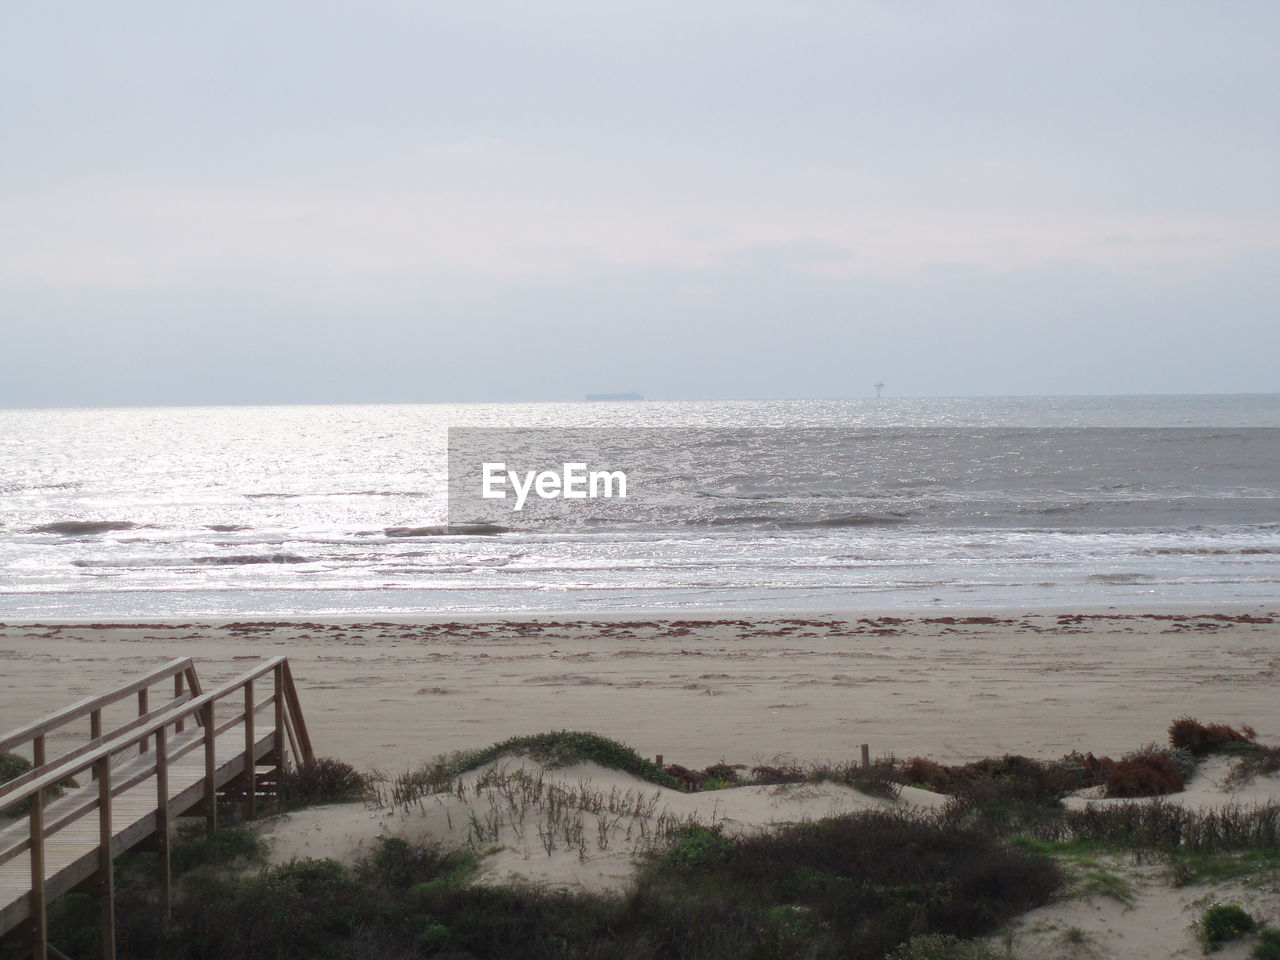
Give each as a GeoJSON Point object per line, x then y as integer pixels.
{"type": "Point", "coordinates": [782, 505]}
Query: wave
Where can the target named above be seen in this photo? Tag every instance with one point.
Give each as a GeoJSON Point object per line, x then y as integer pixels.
{"type": "Point", "coordinates": [791, 523]}
{"type": "Point", "coordinates": [229, 560]}
{"type": "Point", "coordinates": [225, 527]}
{"type": "Point", "coordinates": [1213, 551]}
{"type": "Point", "coordinates": [339, 493]}
{"type": "Point", "coordinates": [448, 530]}
{"type": "Point", "coordinates": [237, 560]}
{"type": "Point", "coordinates": [84, 528]}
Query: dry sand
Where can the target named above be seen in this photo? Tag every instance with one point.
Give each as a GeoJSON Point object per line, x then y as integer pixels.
{"type": "Point", "coordinates": [954, 688]}
{"type": "Point", "coordinates": [392, 694]}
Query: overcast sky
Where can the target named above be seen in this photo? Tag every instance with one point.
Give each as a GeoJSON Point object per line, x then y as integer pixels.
{"type": "Point", "coordinates": [242, 202]}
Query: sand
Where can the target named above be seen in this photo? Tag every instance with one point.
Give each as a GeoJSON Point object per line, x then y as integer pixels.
{"type": "Point", "coordinates": [389, 695]}
{"type": "Point", "coordinates": [955, 688]}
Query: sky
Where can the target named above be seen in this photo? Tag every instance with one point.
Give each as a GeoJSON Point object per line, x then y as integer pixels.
{"type": "Point", "coordinates": [401, 201]}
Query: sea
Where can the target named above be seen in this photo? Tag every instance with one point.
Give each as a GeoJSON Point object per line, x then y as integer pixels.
{"type": "Point", "coordinates": [771, 505]}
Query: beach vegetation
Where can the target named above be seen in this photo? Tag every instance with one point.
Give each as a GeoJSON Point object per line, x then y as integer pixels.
{"type": "Point", "coordinates": [1091, 868]}
{"type": "Point", "coordinates": [1098, 879]}
{"type": "Point", "coordinates": [12, 765]}
{"type": "Point", "coordinates": [233, 845]}
{"type": "Point", "coordinates": [1222, 923]}
{"type": "Point", "coordinates": [1201, 739]}
{"type": "Point", "coordinates": [779, 771]}
{"type": "Point", "coordinates": [1268, 945]}
{"type": "Point", "coordinates": [722, 776]}
{"type": "Point", "coordinates": [1252, 866]}
{"type": "Point", "coordinates": [937, 946]}
{"type": "Point", "coordinates": [863, 885]}
{"type": "Point", "coordinates": [1252, 760]}
{"type": "Point", "coordinates": [321, 781]}
{"type": "Point", "coordinates": [1147, 772]}
{"type": "Point", "coordinates": [559, 748]}
{"type": "Point", "coordinates": [699, 847]}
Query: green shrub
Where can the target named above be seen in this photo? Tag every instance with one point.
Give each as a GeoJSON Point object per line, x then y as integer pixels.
{"type": "Point", "coordinates": [321, 781]}
{"type": "Point", "coordinates": [936, 946]}
{"type": "Point", "coordinates": [1268, 946]}
{"type": "Point", "coordinates": [193, 847]}
{"type": "Point", "coordinates": [874, 879]}
{"type": "Point", "coordinates": [560, 748]}
{"type": "Point", "coordinates": [398, 865]}
{"type": "Point", "coordinates": [1223, 923]}
{"type": "Point", "coordinates": [721, 776]}
{"type": "Point", "coordinates": [12, 765]}
{"type": "Point", "coordinates": [699, 847]}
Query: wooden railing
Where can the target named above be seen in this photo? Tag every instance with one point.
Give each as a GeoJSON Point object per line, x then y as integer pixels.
{"type": "Point", "coordinates": [186, 684]}
{"type": "Point", "coordinates": [165, 729]}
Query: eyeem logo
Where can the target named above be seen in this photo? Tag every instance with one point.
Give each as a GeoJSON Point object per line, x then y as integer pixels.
{"type": "Point", "coordinates": [573, 482]}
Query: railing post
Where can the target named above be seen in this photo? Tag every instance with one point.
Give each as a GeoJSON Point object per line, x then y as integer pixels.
{"type": "Point", "coordinates": [177, 692]}
{"type": "Point", "coordinates": [37, 751]}
{"type": "Point", "coordinates": [282, 762]}
{"type": "Point", "coordinates": [162, 822]}
{"type": "Point", "coordinates": [106, 870]}
{"type": "Point", "coordinates": [210, 772]}
{"type": "Point", "coordinates": [250, 760]}
{"type": "Point", "coordinates": [95, 731]}
{"type": "Point", "coordinates": [142, 710]}
{"type": "Point", "coordinates": [39, 915]}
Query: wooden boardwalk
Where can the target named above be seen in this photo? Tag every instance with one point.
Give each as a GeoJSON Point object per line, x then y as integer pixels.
{"type": "Point", "coordinates": [125, 786]}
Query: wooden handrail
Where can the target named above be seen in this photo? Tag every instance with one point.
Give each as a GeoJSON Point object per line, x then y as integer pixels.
{"type": "Point", "coordinates": [53, 774]}
{"type": "Point", "coordinates": [82, 708]}
{"type": "Point", "coordinates": [295, 713]}
{"type": "Point", "coordinates": [10, 785]}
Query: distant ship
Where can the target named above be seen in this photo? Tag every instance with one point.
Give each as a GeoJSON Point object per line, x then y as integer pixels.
{"type": "Point", "coordinates": [596, 397]}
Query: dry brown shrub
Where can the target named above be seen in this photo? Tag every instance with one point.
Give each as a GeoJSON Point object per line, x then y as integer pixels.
{"type": "Point", "coordinates": [1145, 774]}
{"type": "Point", "coordinates": [927, 773]}
{"type": "Point", "coordinates": [1190, 734]}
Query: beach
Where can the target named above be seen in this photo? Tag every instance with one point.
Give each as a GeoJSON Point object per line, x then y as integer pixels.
{"type": "Point", "coordinates": [391, 696]}
{"type": "Point", "coordinates": [393, 693]}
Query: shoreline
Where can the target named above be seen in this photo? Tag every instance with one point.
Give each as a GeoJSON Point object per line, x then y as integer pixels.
{"type": "Point", "coordinates": [906, 612]}
{"type": "Point", "coordinates": [391, 693]}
